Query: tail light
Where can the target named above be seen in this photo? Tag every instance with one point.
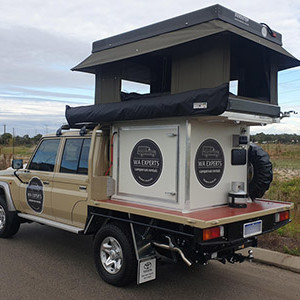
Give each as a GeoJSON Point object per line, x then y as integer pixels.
{"type": "Point", "coordinates": [282, 216]}
{"type": "Point", "coordinates": [213, 233]}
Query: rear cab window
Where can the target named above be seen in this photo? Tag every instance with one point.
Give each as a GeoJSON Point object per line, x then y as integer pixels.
{"type": "Point", "coordinates": [75, 156]}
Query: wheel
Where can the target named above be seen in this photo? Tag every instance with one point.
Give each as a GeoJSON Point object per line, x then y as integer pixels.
{"type": "Point", "coordinates": [9, 221]}
{"type": "Point", "coordinates": [262, 171]}
{"type": "Point", "coordinates": [114, 255]}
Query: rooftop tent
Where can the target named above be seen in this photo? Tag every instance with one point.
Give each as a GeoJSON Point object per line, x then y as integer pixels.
{"type": "Point", "coordinates": [107, 54]}
{"type": "Point", "coordinates": [202, 49]}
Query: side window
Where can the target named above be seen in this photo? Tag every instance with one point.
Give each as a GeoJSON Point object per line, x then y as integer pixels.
{"type": "Point", "coordinates": [75, 156]}
{"type": "Point", "coordinates": [84, 158]}
{"type": "Point", "coordinates": [45, 156]}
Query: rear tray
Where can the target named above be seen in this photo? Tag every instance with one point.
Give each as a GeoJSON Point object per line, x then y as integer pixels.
{"type": "Point", "coordinates": [203, 218]}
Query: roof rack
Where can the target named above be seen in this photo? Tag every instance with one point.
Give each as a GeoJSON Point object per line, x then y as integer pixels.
{"type": "Point", "coordinates": [83, 127]}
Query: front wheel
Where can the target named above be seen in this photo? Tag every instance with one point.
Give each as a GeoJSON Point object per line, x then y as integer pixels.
{"type": "Point", "coordinates": [114, 255]}
{"type": "Point", "coordinates": [9, 221]}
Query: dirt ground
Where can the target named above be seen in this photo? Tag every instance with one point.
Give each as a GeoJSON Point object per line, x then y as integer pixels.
{"type": "Point", "coordinates": [275, 242]}
{"type": "Point", "coordinates": [286, 174]}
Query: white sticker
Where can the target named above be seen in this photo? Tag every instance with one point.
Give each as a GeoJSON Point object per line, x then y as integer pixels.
{"type": "Point", "coordinates": [200, 105]}
{"type": "Point", "coordinates": [147, 270]}
{"type": "Point", "coordinates": [264, 31]}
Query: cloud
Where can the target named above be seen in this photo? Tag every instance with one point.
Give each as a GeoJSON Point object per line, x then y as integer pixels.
{"type": "Point", "coordinates": [95, 19]}
{"type": "Point", "coordinates": [32, 116]}
{"type": "Point", "coordinates": [31, 57]}
{"type": "Point", "coordinates": [67, 95]}
{"type": "Point", "coordinates": [287, 125]}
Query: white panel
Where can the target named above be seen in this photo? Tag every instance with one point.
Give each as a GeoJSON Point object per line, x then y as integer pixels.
{"type": "Point", "coordinates": [202, 194]}
{"type": "Point", "coordinates": [148, 163]}
{"type": "Point", "coordinates": [177, 186]}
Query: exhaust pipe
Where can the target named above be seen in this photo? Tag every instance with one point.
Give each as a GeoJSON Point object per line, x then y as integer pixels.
{"type": "Point", "coordinates": [171, 247]}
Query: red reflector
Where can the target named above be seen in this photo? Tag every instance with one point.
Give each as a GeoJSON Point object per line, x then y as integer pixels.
{"type": "Point", "coordinates": [284, 215]}
{"type": "Point", "coordinates": [213, 233]}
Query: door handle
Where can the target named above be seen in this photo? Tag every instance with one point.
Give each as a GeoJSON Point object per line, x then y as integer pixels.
{"type": "Point", "coordinates": [45, 182]}
{"type": "Point", "coordinates": [82, 187]}
{"type": "Point", "coordinates": [170, 193]}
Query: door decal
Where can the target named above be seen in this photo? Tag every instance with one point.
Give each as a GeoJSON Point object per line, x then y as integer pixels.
{"type": "Point", "coordinates": [146, 162]}
{"type": "Point", "coordinates": [35, 194]}
{"type": "Point", "coordinates": [209, 163]}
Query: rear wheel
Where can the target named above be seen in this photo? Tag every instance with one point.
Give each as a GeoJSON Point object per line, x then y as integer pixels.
{"type": "Point", "coordinates": [114, 255]}
{"type": "Point", "coordinates": [9, 221]}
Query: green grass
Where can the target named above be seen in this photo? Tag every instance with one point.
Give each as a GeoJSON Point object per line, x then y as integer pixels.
{"type": "Point", "coordinates": [288, 190]}
{"type": "Point", "coordinates": [284, 155]}
{"type": "Point", "coordinates": [289, 163]}
{"type": "Point", "coordinates": [293, 251]}
{"type": "Point", "coordinates": [292, 230]}
{"type": "Point", "coordinates": [285, 190]}
{"type": "Point", "coordinates": [20, 151]}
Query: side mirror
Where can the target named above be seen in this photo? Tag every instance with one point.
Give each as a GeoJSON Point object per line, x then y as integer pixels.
{"type": "Point", "coordinates": [17, 164]}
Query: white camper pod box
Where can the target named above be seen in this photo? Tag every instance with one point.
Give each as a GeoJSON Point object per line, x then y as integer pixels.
{"type": "Point", "coordinates": [182, 164]}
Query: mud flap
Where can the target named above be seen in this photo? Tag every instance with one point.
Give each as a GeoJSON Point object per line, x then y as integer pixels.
{"type": "Point", "coordinates": [146, 270]}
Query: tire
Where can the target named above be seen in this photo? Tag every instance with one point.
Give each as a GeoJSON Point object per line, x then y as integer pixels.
{"type": "Point", "coordinates": [9, 221]}
{"type": "Point", "coordinates": [262, 171]}
{"type": "Point", "coordinates": [114, 255]}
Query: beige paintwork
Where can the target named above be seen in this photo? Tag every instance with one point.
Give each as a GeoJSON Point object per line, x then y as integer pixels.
{"type": "Point", "coordinates": [47, 179]}
{"type": "Point", "coordinates": [13, 182]}
{"type": "Point", "coordinates": [65, 195]}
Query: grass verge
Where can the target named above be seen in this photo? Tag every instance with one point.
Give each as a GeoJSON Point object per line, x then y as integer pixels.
{"type": "Point", "coordinates": [285, 187]}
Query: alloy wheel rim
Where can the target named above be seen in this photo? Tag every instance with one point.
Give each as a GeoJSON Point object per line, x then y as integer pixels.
{"type": "Point", "coordinates": [111, 255]}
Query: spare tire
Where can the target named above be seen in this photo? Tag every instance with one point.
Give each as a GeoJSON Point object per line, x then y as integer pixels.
{"type": "Point", "coordinates": [262, 171]}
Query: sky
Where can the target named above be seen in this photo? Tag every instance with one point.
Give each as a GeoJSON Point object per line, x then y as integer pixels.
{"type": "Point", "coordinates": [40, 41]}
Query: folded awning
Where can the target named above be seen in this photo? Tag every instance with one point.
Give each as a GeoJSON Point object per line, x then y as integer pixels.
{"type": "Point", "coordinates": [208, 101]}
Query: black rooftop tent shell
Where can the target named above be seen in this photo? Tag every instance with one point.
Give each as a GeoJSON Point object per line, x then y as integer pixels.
{"type": "Point", "coordinates": [182, 29]}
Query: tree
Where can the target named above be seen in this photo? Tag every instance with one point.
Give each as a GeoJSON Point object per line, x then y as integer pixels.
{"type": "Point", "coordinates": [36, 138]}
{"type": "Point", "coordinates": [5, 138]}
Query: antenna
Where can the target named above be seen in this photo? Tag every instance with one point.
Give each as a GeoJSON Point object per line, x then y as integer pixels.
{"type": "Point", "coordinates": [13, 143]}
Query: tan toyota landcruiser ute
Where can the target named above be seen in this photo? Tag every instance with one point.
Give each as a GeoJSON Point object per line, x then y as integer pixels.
{"type": "Point", "coordinates": [171, 173]}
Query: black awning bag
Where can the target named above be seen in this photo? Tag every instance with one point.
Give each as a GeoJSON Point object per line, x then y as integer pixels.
{"type": "Point", "coordinates": [206, 101]}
